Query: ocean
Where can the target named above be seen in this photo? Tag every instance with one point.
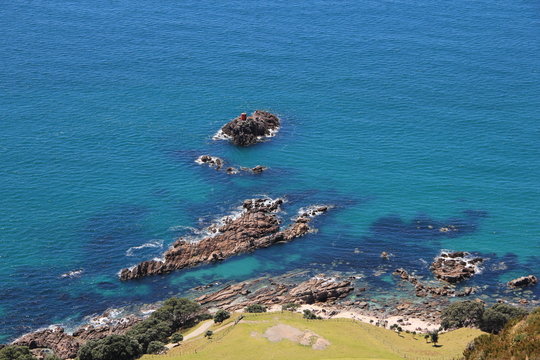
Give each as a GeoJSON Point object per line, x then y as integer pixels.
{"type": "Point", "coordinates": [404, 114]}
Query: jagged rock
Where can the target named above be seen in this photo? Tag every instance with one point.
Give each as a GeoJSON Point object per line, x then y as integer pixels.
{"type": "Point", "coordinates": [96, 332]}
{"type": "Point", "coordinates": [212, 161]}
{"type": "Point", "coordinates": [455, 267]}
{"type": "Point", "coordinates": [523, 281]}
{"type": "Point", "coordinates": [315, 290]}
{"type": "Point", "coordinates": [257, 227]}
{"type": "Point", "coordinates": [63, 345]}
{"type": "Point", "coordinates": [422, 290]}
{"type": "Point", "coordinates": [219, 164]}
{"type": "Point", "coordinates": [258, 169]}
{"type": "Point", "coordinates": [251, 130]}
{"type": "Point", "coordinates": [319, 290]}
{"type": "Point", "coordinates": [66, 346]}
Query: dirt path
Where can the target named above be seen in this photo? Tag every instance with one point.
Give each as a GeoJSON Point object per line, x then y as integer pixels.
{"type": "Point", "coordinates": [200, 330]}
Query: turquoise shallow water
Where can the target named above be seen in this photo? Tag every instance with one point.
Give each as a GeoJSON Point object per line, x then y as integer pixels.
{"type": "Point", "coordinates": [401, 113]}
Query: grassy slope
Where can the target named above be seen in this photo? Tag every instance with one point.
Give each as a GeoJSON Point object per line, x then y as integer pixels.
{"type": "Point", "coordinates": [349, 340]}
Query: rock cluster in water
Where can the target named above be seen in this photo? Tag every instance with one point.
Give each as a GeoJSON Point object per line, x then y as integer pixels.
{"type": "Point", "coordinates": [258, 226]}
{"type": "Point", "coordinates": [65, 345]}
{"type": "Point", "coordinates": [219, 164]}
{"type": "Point", "coordinates": [523, 281]}
{"type": "Point", "coordinates": [455, 266]}
{"type": "Point", "coordinates": [423, 290]}
{"type": "Point", "coordinates": [251, 130]}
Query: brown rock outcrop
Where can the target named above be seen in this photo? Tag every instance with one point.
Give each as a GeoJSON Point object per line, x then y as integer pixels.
{"type": "Point", "coordinates": [523, 281]}
{"type": "Point", "coordinates": [252, 129]}
{"type": "Point", "coordinates": [66, 346]}
{"type": "Point", "coordinates": [96, 332]}
{"type": "Point", "coordinates": [258, 226]}
{"type": "Point", "coordinates": [318, 290]}
{"type": "Point", "coordinates": [423, 290]}
{"type": "Point", "coordinates": [315, 290]}
{"type": "Point", "coordinates": [63, 345]}
{"type": "Point", "coordinates": [455, 267]}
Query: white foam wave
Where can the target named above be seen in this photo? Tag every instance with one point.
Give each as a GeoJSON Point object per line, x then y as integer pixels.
{"type": "Point", "coordinates": [151, 244]}
{"type": "Point", "coordinates": [220, 135]}
{"type": "Point", "coordinates": [72, 273]}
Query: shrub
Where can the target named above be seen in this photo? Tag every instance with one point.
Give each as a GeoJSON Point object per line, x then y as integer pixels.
{"type": "Point", "coordinates": [434, 336]}
{"type": "Point", "coordinates": [179, 311]}
{"type": "Point", "coordinates": [156, 347]}
{"type": "Point", "coordinates": [12, 352]}
{"type": "Point", "coordinates": [174, 314]}
{"type": "Point", "coordinates": [150, 330]}
{"type": "Point", "coordinates": [209, 333]}
{"type": "Point", "coordinates": [290, 307]}
{"type": "Point", "coordinates": [221, 315]}
{"type": "Point", "coordinates": [176, 338]}
{"type": "Point", "coordinates": [255, 308]}
{"type": "Point", "coordinates": [113, 347]}
{"type": "Point", "coordinates": [496, 317]}
{"type": "Point", "coordinates": [310, 315]}
{"type": "Point", "coordinates": [462, 314]}
{"type": "Point", "coordinates": [204, 316]}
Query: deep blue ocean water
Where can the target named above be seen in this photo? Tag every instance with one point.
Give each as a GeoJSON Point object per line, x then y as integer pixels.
{"type": "Point", "coordinates": [404, 114]}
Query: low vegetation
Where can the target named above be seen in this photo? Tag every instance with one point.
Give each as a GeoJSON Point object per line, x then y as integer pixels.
{"type": "Point", "coordinates": [518, 340]}
{"type": "Point", "coordinates": [255, 308]}
{"type": "Point", "coordinates": [289, 307]}
{"type": "Point", "coordinates": [310, 315]}
{"type": "Point", "coordinates": [474, 314]}
{"type": "Point", "coordinates": [16, 353]}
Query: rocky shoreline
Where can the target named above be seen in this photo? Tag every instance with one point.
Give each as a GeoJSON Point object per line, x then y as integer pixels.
{"type": "Point", "coordinates": [257, 226]}
{"type": "Point", "coordinates": [328, 296]}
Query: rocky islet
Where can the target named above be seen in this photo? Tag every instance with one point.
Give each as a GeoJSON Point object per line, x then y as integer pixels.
{"type": "Point", "coordinates": [247, 130]}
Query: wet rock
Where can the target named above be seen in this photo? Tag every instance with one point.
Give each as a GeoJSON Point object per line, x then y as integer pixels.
{"type": "Point", "coordinates": [251, 130]}
{"type": "Point", "coordinates": [258, 226]}
{"type": "Point", "coordinates": [423, 290]}
{"type": "Point", "coordinates": [455, 267]}
{"type": "Point", "coordinates": [211, 161]}
{"type": "Point", "coordinates": [219, 164]}
{"type": "Point", "coordinates": [96, 332]}
{"type": "Point", "coordinates": [523, 281]}
{"type": "Point", "coordinates": [259, 169]}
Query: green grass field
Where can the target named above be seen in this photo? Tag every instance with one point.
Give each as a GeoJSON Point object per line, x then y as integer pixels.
{"type": "Point", "coordinates": [348, 340]}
